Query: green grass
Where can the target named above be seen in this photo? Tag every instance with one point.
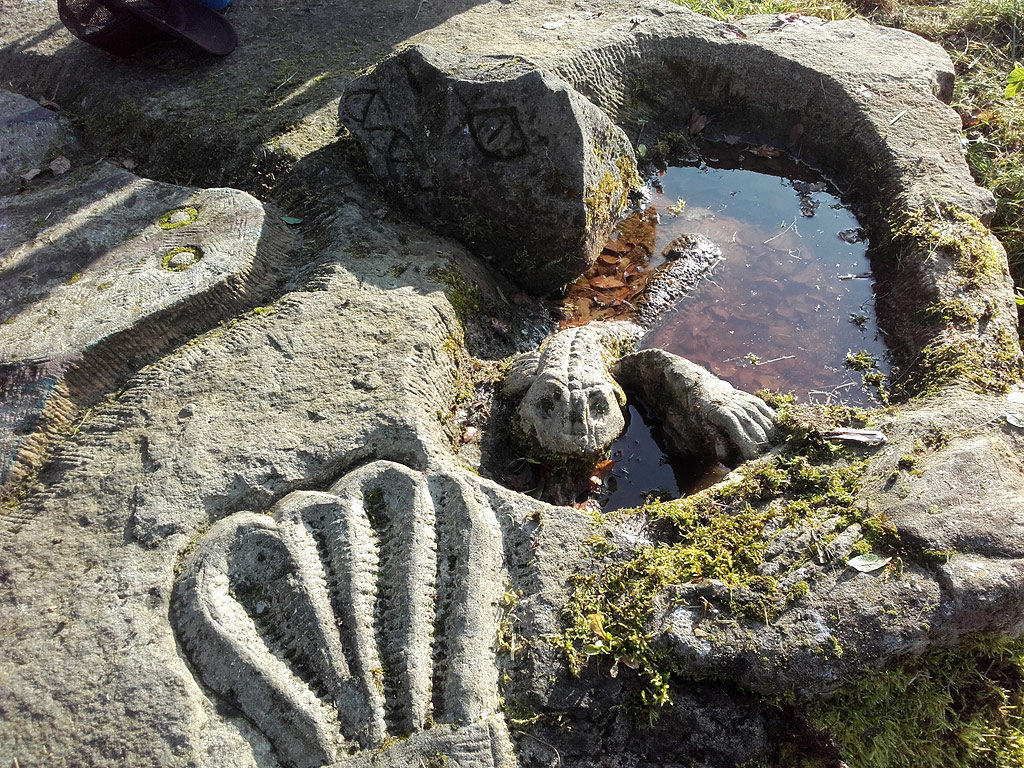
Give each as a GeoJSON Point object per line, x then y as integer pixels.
{"type": "Point", "coordinates": [961, 708]}
{"type": "Point", "coordinates": [727, 10]}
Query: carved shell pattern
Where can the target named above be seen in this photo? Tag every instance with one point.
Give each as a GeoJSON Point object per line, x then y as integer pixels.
{"type": "Point", "coordinates": [347, 620]}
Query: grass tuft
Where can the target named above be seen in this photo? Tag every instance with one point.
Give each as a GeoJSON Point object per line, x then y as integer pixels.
{"type": "Point", "coordinates": [960, 708]}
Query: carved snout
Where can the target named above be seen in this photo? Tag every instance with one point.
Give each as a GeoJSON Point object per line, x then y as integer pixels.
{"type": "Point", "coordinates": [572, 421]}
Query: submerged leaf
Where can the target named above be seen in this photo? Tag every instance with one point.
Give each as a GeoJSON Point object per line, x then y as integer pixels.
{"type": "Point", "coordinates": [604, 283]}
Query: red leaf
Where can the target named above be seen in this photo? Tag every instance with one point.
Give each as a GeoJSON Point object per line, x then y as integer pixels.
{"type": "Point", "coordinates": [602, 469]}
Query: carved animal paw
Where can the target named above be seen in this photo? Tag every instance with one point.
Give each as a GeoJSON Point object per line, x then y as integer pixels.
{"type": "Point", "coordinates": [699, 411]}
{"type": "Point", "coordinates": [358, 619]}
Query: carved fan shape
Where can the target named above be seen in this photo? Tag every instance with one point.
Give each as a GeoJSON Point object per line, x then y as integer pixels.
{"type": "Point", "coordinates": [344, 620]}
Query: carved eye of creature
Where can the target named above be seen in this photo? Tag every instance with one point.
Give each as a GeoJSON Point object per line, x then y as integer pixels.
{"type": "Point", "coordinates": [550, 401]}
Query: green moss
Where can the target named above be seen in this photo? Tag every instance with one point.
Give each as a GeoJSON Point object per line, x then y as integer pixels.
{"type": "Point", "coordinates": [464, 297]}
{"type": "Point", "coordinates": [860, 547]}
{"type": "Point", "coordinates": [946, 362]}
{"type": "Point", "coordinates": [908, 462]}
{"type": "Point", "coordinates": [510, 641]}
{"type": "Point", "coordinates": [604, 201]}
{"type": "Point", "coordinates": [960, 708]}
{"type": "Point", "coordinates": [716, 534]}
{"type": "Point", "coordinates": [955, 233]}
{"type": "Point", "coordinates": [178, 217]}
{"type": "Point", "coordinates": [436, 760]}
{"type": "Point", "coordinates": [168, 257]}
{"type": "Point", "coordinates": [956, 311]}
{"type": "Point", "coordinates": [860, 361]}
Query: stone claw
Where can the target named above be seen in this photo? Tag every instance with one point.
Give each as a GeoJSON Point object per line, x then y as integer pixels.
{"type": "Point", "coordinates": [700, 412]}
{"type": "Point", "coordinates": [745, 420]}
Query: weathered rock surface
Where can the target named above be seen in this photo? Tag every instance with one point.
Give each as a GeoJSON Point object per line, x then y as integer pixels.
{"type": "Point", "coordinates": [29, 135]}
{"type": "Point", "coordinates": [337, 372]}
{"type": "Point", "coordinates": [357, 358]}
{"type": "Point", "coordinates": [506, 157]}
{"type": "Point", "coordinates": [125, 268]}
{"type": "Point", "coordinates": [688, 258]}
{"type": "Point", "coordinates": [957, 571]}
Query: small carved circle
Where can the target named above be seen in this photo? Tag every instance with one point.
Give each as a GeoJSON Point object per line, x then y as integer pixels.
{"type": "Point", "coordinates": [182, 257]}
{"type": "Point", "coordinates": [178, 217]}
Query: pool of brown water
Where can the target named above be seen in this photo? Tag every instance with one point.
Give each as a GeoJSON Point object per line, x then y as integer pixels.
{"type": "Point", "coordinates": [793, 295]}
{"type": "Point", "coordinates": [789, 303]}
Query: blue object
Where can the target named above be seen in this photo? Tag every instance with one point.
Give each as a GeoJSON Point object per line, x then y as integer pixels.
{"type": "Point", "coordinates": [216, 5]}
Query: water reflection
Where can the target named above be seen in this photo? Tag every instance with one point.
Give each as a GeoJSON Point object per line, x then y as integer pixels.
{"type": "Point", "coordinates": [793, 294]}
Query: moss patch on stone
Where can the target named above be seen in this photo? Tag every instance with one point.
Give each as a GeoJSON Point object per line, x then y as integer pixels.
{"type": "Point", "coordinates": [720, 533]}
{"type": "Point", "coordinates": [189, 255]}
{"type": "Point", "coordinates": [961, 235]}
{"type": "Point", "coordinates": [464, 297]}
{"type": "Point", "coordinates": [178, 217]}
{"type": "Point", "coordinates": [960, 708]}
{"type": "Point", "coordinates": [949, 361]}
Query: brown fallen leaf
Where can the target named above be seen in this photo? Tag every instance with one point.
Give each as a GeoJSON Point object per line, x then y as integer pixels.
{"type": "Point", "coordinates": [602, 468]}
{"type": "Point", "coordinates": [976, 117]}
{"type": "Point", "coordinates": [618, 246]}
{"type": "Point", "coordinates": [698, 122]}
{"type": "Point", "coordinates": [604, 283]}
{"type": "Point", "coordinates": [60, 165]}
{"type": "Point", "coordinates": [608, 259]}
{"type": "Point", "coordinates": [765, 151]}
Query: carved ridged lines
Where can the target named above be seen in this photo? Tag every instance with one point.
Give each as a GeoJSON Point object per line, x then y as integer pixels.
{"type": "Point", "coordinates": [100, 367]}
{"type": "Point", "coordinates": [104, 365]}
{"type": "Point", "coordinates": [346, 618]}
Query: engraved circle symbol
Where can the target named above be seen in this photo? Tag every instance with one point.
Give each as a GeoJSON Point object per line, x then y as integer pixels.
{"type": "Point", "coordinates": [181, 258]}
{"type": "Point", "coordinates": [497, 132]}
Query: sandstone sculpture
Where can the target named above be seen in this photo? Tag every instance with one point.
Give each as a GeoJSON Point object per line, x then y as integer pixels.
{"type": "Point", "coordinates": [355, 366]}
{"type": "Point", "coordinates": [501, 154]}
{"type": "Point", "coordinates": [126, 267]}
{"type": "Point", "coordinates": [346, 620]}
{"type": "Point", "coordinates": [572, 397]}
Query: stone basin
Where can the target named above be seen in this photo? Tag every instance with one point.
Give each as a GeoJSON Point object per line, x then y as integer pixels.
{"type": "Point", "coordinates": [354, 363]}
